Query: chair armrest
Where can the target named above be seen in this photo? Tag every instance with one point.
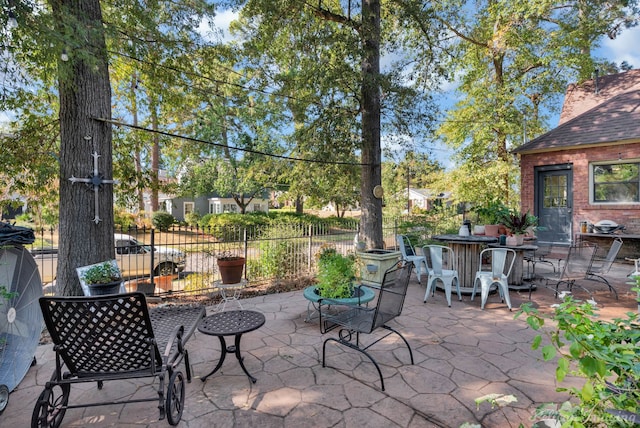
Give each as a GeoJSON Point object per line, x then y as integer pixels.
{"type": "Point", "coordinates": [175, 343]}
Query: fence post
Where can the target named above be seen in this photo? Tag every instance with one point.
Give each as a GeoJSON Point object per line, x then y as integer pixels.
{"type": "Point", "coordinates": [246, 250]}
{"type": "Point", "coordinates": [395, 233]}
{"type": "Point", "coordinates": [310, 248]}
{"type": "Point", "coordinates": [153, 256]}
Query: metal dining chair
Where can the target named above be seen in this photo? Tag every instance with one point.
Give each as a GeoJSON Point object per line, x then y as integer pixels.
{"type": "Point", "coordinates": [441, 265]}
{"type": "Point", "coordinates": [496, 275]}
{"type": "Point", "coordinates": [409, 254]}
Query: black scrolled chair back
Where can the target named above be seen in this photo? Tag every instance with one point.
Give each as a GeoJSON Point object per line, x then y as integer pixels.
{"type": "Point", "coordinates": [113, 337]}
{"type": "Point", "coordinates": [359, 319]}
{"type": "Point", "coordinates": [86, 331]}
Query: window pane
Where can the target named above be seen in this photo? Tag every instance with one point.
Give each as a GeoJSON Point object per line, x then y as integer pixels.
{"type": "Point", "coordinates": [616, 183]}
{"type": "Point", "coordinates": [616, 192]}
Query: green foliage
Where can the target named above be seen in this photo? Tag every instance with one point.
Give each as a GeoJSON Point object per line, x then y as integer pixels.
{"type": "Point", "coordinates": [102, 273]}
{"type": "Point", "coordinates": [162, 220]}
{"type": "Point", "coordinates": [196, 282]}
{"type": "Point", "coordinates": [6, 294]}
{"type": "Point", "coordinates": [124, 219]}
{"type": "Point", "coordinates": [492, 211]}
{"type": "Point", "coordinates": [604, 353]}
{"type": "Point", "coordinates": [192, 218]}
{"type": "Point", "coordinates": [278, 257]}
{"type": "Point", "coordinates": [336, 274]}
{"type": "Point", "coordinates": [519, 223]}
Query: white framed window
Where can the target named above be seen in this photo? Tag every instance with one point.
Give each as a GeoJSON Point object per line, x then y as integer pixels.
{"type": "Point", "coordinates": [257, 207]}
{"type": "Point", "coordinates": [230, 208]}
{"type": "Point", "coordinates": [215, 208]}
{"type": "Point", "coordinates": [188, 208]}
{"type": "Point", "coordinates": [614, 182]}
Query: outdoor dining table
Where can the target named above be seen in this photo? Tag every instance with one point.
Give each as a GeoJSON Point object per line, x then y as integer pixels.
{"type": "Point", "coordinates": [467, 251]}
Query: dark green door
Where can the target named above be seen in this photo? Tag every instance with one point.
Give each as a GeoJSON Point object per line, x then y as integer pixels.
{"type": "Point", "coordinates": [554, 203]}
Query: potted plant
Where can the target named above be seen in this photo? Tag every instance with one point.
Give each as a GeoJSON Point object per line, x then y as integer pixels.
{"type": "Point", "coordinates": [491, 214]}
{"type": "Point", "coordinates": [336, 274]}
{"type": "Point", "coordinates": [102, 278]}
{"type": "Point", "coordinates": [519, 224]}
{"type": "Point", "coordinates": [230, 266]}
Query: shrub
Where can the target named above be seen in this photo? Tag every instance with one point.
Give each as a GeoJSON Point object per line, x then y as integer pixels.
{"type": "Point", "coordinates": [196, 282]}
{"type": "Point", "coordinates": [278, 257]}
{"type": "Point", "coordinates": [192, 218]}
{"type": "Point", "coordinates": [336, 274]}
{"type": "Point", "coordinates": [604, 353]}
{"type": "Point", "coordinates": [124, 219]}
{"type": "Point", "coordinates": [162, 220]}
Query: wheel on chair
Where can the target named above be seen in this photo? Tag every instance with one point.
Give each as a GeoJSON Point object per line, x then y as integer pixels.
{"type": "Point", "coordinates": [51, 407]}
{"type": "Point", "coordinates": [4, 397]}
{"type": "Point", "coordinates": [175, 398]}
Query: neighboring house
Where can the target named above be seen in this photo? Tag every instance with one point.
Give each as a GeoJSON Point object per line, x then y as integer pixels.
{"type": "Point", "coordinates": [588, 168]}
{"type": "Point", "coordinates": [424, 199]}
{"type": "Point", "coordinates": [212, 204]}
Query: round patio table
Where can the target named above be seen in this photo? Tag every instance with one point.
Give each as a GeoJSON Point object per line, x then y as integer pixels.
{"type": "Point", "coordinates": [231, 323]}
{"type": "Point", "coordinates": [310, 293]}
{"type": "Point", "coordinates": [467, 250]}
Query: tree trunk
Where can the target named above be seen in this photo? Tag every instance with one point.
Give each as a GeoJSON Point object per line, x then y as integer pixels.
{"type": "Point", "coordinates": [155, 161]}
{"type": "Point", "coordinates": [137, 158]}
{"type": "Point", "coordinates": [86, 233]}
{"type": "Point", "coordinates": [299, 204]}
{"type": "Point", "coordinates": [371, 175]}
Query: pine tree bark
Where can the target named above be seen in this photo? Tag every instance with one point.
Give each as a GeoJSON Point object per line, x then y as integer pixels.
{"type": "Point", "coordinates": [371, 175]}
{"type": "Point", "coordinates": [85, 94]}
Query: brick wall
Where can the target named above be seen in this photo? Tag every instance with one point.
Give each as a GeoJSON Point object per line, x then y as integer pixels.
{"type": "Point", "coordinates": [626, 214]}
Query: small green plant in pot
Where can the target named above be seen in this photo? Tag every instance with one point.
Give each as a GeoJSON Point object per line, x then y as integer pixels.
{"type": "Point", "coordinates": [102, 278]}
{"type": "Point", "coordinates": [336, 274]}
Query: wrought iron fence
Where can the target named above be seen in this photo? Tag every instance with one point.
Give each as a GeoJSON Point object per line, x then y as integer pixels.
{"type": "Point", "coordinates": [150, 263]}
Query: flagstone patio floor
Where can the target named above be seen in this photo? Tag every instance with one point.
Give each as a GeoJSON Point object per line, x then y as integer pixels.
{"type": "Point", "coordinates": [461, 353]}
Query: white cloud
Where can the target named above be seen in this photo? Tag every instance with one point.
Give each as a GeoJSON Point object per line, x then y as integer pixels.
{"type": "Point", "coordinates": [625, 47]}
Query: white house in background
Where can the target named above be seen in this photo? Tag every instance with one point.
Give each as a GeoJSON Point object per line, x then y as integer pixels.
{"type": "Point", "coordinates": [212, 204]}
{"type": "Point", "coordinates": [424, 199]}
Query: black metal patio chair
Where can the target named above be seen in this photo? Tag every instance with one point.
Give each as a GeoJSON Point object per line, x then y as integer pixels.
{"type": "Point", "coordinates": [354, 320]}
{"type": "Point", "coordinates": [600, 267]}
{"type": "Point", "coordinates": [577, 264]}
{"type": "Point", "coordinates": [115, 337]}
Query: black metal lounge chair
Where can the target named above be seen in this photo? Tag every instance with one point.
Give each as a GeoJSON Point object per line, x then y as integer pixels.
{"type": "Point", "coordinates": [114, 337]}
{"type": "Point", "coordinates": [359, 319]}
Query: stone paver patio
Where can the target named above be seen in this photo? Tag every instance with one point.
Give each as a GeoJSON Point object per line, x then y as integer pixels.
{"type": "Point", "coordinates": [461, 353]}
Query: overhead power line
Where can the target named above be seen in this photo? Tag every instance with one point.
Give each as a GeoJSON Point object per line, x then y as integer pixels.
{"type": "Point", "coordinates": [168, 134]}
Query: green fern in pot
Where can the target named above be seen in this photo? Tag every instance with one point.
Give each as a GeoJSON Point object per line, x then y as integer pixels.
{"type": "Point", "coordinates": [336, 274]}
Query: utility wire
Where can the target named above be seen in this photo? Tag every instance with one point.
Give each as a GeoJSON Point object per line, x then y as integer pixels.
{"type": "Point", "coordinates": [168, 134]}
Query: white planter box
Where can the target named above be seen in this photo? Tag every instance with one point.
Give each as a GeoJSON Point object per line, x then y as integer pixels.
{"type": "Point", "coordinates": [375, 263]}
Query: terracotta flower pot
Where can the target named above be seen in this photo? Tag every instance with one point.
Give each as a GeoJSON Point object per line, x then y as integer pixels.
{"type": "Point", "coordinates": [231, 270]}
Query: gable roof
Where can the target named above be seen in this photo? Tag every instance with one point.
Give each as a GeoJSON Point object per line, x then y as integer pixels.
{"type": "Point", "coordinates": [581, 98]}
{"type": "Point", "coordinates": [614, 121]}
